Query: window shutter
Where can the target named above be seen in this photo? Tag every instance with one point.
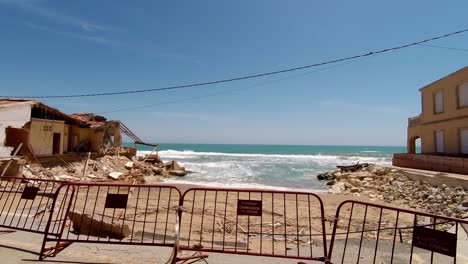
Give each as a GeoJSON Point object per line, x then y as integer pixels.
{"type": "Point", "coordinates": [463, 95]}
{"type": "Point", "coordinates": [439, 103]}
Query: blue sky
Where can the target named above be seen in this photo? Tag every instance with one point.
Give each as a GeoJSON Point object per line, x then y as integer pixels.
{"type": "Point", "coordinates": [70, 47]}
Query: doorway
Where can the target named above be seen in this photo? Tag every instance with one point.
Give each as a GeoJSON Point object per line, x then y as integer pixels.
{"type": "Point", "coordinates": [414, 145]}
{"type": "Point", "coordinates": [56, 143]}
{"type": "Point", "coordinates": [464, 141]}
{"type": "Point", "coordinates": [439, 141]}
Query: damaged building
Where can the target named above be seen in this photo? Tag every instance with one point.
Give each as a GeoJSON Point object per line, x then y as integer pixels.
{"type": "Point", "coordinates": [46, 131]}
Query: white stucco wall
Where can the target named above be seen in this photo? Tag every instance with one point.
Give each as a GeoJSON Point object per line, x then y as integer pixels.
{"type": "Point", "coordinates": [13, 115]}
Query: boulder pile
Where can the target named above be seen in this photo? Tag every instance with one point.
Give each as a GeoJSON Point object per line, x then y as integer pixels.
{"type": "Point", "coordinates": [393, 186]}
{"type": "Point", "coordinates": [108, 168]}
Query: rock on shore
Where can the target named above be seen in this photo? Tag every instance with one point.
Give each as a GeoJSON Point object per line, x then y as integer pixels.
{"type": "Point", "coordinates": [107, 168]}
{"type": "Point", "coordinates": [393, 186]}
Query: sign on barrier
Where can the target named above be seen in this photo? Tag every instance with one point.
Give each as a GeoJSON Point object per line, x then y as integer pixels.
{"type": "Point", "coordinates": [117, 214]}
{"type": "Point", "coordinates": [372, 233]}
{"type": "Point", "coordinates": [253, 222]}
{"type": "Point", "coordinates": [25, 204]}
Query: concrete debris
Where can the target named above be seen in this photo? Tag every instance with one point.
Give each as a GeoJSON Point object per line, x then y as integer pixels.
{"type": "Point", "coordinates": [393, 186]}
{"type": "Point", "coordinates": [105, 168]}
{"type": "Point", "coordinates": [129, 165]}
{"type": "Point", "coordinates": [84, 224]}
{"type": "Point", "coordinates": [66, 178]}
{"type": "Point", "coordinates": [173, 165]}
{"type": "Point", "coordinates": [173, 168]}
{"type": "Point", "coordinates": [115, 175]}
{"type": "Point", "coordinates": [177, 172]}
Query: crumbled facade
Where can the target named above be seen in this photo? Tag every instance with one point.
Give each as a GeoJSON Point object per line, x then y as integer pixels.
{"type": "Point", "coordinates": [44, 130]}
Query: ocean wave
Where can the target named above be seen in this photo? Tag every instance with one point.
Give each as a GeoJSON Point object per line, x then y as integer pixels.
{"type": "Point", "coordinates": [189, 154]}
{"type": "Point", "coordinates": [265, 171]}
{"type": "Point", "coordinates": [239, 185]}
{"type": "Point", "coordinates": [203, 161]}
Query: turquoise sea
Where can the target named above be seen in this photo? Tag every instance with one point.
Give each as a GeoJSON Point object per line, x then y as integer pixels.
{"type": "Point", "coordinates": [266, 166]}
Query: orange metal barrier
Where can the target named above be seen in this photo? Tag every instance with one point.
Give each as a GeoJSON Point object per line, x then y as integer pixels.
{"type": "Point", "coordinates": [28, 204]}
{"type": "Point", "coordinates": [120, 214]}
{"type": "Point", "coordinates": [220, 220]}
{"type": "Point", "coordinates": [25, 204]}
{"type": "Point", "coordinates": [253, 222]}
{"type": "Point", "coordinates": [372, 233]}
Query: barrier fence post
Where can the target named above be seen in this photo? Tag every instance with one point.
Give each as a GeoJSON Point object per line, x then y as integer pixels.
{"type": "Point", "coordinates": [61, 219]}
{"type": "Point", "coordinates": [370, 235]}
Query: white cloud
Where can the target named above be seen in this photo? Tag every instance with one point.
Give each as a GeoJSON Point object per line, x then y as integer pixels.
{"type": "Point", "coordinates": [34, 7]}
{"type": "Point", "coordinates": [98, 40]}
{"type": "Point", "coordinates": [85, 30]}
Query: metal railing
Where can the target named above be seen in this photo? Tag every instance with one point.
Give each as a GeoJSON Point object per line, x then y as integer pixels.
{"type": "Point", "coordinates": [26, 204]}
{"type": "Point", "coordinates": [121, 214]}
{"type": "Point", "coordinates": [253, 222]}
{"type": "Point", "coordinates": [367, 233]}
{"type": "Point", "coordinates": [414, 121]}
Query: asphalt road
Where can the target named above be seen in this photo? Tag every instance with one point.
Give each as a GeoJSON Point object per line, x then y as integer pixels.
{"type": "Point", "coordinates": [23, 247]}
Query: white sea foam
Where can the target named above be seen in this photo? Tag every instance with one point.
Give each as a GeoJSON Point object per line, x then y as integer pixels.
{"type": "Point", "coordinates": [240, 185]}
{"type": "Point", "coordinates": [189, 154]}
{"type": "Point", "coordinates": [259, 170]}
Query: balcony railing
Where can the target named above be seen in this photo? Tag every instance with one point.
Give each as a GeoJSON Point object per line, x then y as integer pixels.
{"type": "Point", "coordinates": [414, 121]}
{"type": "Point", "coordinates": [432, 162]}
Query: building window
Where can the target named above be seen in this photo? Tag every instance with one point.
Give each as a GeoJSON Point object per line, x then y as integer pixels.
{"type": "Point", "coordinates": [463, 95]}
{"type": "Point", "coordinates": [439, 140]}
{"type": "Point", "coordinates": [464, 141]}
{"type": "Point", "coordinates": [438, 102]}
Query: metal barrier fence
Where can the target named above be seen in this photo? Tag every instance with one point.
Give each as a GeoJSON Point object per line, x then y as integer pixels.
{"type": "Point", "coordinates": [25, 204]}
{"type": "Point", "coordinates": [235, 221]}
{"type": "Point", "coordinates": [116, 214]}
{"type": "Point", "coordinates": [253, 222]}
{"type": "Point", "coordinates": [372, 233]}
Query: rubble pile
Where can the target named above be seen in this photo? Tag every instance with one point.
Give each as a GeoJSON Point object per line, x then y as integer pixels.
{"type": "Point", "coordinates": [108, 168]}
{"type": "Point", "coordinates": [393, 186]}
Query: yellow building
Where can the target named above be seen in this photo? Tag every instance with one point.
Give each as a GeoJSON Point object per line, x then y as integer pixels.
{"type": "Point", "coordinates": [44, 131]}
{"type": "Point", "coordinates": [442, 126]}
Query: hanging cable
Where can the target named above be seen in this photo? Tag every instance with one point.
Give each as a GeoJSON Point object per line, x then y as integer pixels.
{"type": "Point", "coordinates": [246, 77]}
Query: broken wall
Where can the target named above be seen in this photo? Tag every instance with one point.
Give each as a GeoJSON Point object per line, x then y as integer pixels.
{"type": "Point", "coordinates": [79, 134]}
{"type": "Point", "coordinates": [112, 134]}
{"type": "Point", "coordinates": [15, 136]}
{"type": "Point", "coordinates": [14, 115]}
{"type": "Point", "coordinates": [97, 140]}
{"type": "Point", "coordinates": [117, 135]}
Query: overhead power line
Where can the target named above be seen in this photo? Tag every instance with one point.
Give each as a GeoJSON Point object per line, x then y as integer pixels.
{"type": "Point", "coordinates": [246, 77]}
{"type": "Point", "coordinates": [259, 85]}
{"type": "Point", "coordinates": [443, 47]}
